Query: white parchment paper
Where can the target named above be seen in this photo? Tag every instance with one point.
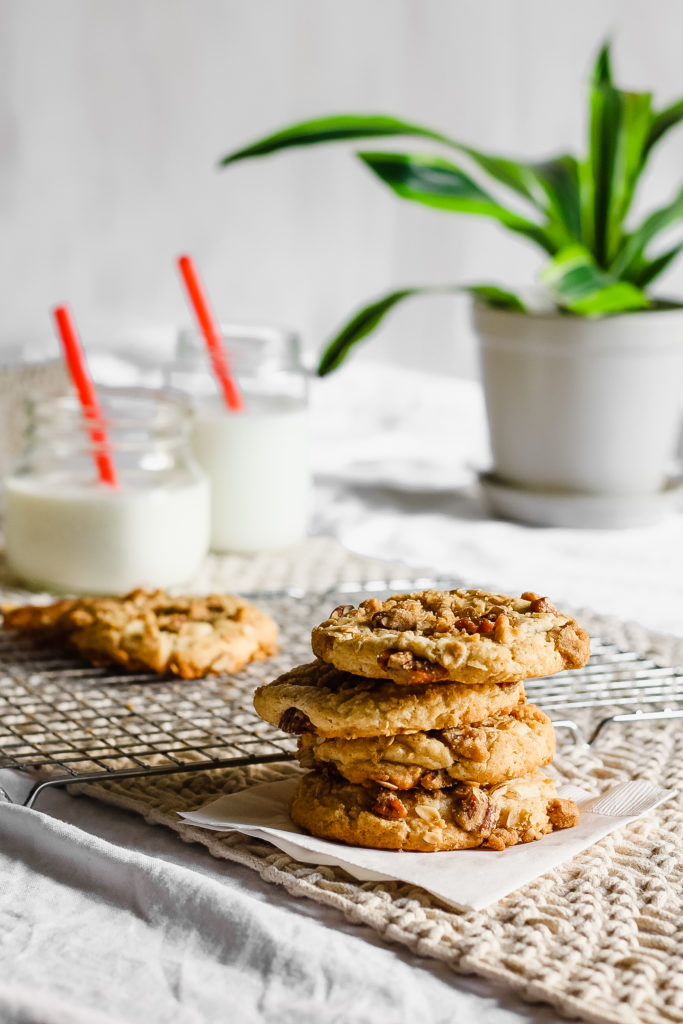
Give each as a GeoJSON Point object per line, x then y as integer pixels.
{"type": "Point", "coordinates": [462, 878]}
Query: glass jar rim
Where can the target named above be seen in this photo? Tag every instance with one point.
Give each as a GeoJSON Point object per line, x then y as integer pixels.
{"type": "Point", "coordinates": [120, 407]}
{"type": "Point", "coordinates": [268, 333]}
{"type": "Point", "coordinates": [252, 348]}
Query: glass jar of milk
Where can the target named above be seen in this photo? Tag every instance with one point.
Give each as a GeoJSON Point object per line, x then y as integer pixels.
{"type": "Point", "coordinates": [65, 530]}
{"type": "Point", "coordinates": [256, 459]}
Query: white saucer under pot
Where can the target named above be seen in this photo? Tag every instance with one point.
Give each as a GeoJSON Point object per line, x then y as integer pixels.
{"type": "Point", "coordinates": [585, 511]}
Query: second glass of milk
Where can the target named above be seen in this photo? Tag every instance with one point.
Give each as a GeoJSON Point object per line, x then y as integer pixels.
{"type": "Point", "coordinates": [256, 460]}
{"type": "Point", "coordinates": [66, 530]}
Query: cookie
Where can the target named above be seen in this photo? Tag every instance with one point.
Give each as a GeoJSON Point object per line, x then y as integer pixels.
{"type": "Point", "coordinates": [464, 636]}
{"type": "Point", "coordinates": [461, 817]}
{"type": "Point", "coordinates": [148, 630]}
{"type": "Point", "coordinates": [318, 698]}
{"type": "Point", "coordinates": [503, 747]}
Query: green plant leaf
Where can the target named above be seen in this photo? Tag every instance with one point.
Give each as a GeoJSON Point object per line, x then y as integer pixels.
{"type": "Point", "coordinates": [514, 174]}
{"type": "Point", "coordinates": [337, 128]}
{"type": "Point", "coordinates": [436, 182]}
{"type": "Point", "coordinates": [662, 122]}
{"type": "Point", "coordinates": [552, 185]}
{"type": "Point", "coordinates": [619, 127]}
{"type": "Point", "coordinates": [647, 270]}
{"type": "Point", "coordinates": [630, 256]}
{"type": "Point", "coordinates": [496, 298]}
{"type": "Point", "coordinates": [559, 179]}
{"type": "Point", "coordinates": [602, 69]}
{"type": "Point", "coordinates": [519, 176]}
{"type": "Point", "coordinates": [577, 284]}
{"type": "Point", "coordinates": [369, 317]}
{"type": "Point", "coordinates": [360, 325]}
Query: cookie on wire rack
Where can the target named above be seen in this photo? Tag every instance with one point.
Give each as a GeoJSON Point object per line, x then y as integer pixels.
{"type": "Point", "coordinates": [151, 631]}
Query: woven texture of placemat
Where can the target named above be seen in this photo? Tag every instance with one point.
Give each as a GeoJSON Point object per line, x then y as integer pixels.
{"type": "Point", "coordinates": [599, 938]}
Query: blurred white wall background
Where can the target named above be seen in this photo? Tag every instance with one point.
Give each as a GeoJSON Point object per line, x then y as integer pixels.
{"type": "Point", "coordinates": [113, 114]}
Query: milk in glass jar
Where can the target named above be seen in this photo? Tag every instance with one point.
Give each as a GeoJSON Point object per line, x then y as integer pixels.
{"type": "Point", "coordinates": [66, 529]}
{"type": "Point", "coordinates": [256, 459]}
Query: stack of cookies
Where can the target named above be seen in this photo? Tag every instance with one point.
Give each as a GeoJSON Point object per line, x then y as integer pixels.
{"type": "Point", "coordinates": [415, 724]}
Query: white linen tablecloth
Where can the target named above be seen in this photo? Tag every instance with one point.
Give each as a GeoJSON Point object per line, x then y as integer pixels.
{"type": "Point", "coordinates": [107, 920]}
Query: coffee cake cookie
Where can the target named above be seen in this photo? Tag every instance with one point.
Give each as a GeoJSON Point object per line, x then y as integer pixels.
{"type": "Point", "coordinates": [465, 636]}
{"type": "Point", "coordinates": [318, 698]}
{"type": "Point", "coordinates": [464, 816]}
{"type": "Point", "coordinates": [500, 748]}
{"type": "Point", "coordinates": [150, 631]}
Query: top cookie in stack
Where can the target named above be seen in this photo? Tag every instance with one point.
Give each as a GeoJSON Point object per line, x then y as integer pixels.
{"type": "Point", "coordinates": [415, 721]}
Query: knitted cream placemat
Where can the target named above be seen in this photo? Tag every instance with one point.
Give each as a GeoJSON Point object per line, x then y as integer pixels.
{"type": "Point", "coordinates": [600, 937]}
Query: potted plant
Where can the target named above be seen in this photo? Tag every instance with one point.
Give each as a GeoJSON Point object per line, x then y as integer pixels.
{"type": "Point", "coordinates": [584, 387]}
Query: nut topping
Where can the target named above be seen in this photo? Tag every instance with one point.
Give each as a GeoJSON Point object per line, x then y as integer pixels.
{"type": "Point", "coordinates": [468, 743]}
{"type": "Point", "coordinates": [389, 807]}
{"type": "Point", "coordinates": [474, 805]}
{"type": "Point", "coordinates": [421, 671]}
{"type": "Point", "coordinates": [296, 722]}
{"type": "Point", "coordinates": [394, 618]}
{"type": "Point", "coordinates": [341, 609]}
{"type": "Point", "coordinates": [563, 813]}
{"type": "Point", "coordinates": [431, 780]}
{"type": "Point", "coordinates": [490, 818]}
{"type": "Point", "coordinates": [445, 620]}
{"type": "Point", "coordinates": [467, 625]}
{"type": "Point", "coordinates": [501, 629]}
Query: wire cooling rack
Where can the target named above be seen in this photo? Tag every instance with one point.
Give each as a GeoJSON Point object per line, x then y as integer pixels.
{"type": "Point", "coordinates": [63, 721]}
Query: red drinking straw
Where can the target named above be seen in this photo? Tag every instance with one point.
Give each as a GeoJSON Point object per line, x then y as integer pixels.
{"type": "Point", "coordinates": [212, 335]}
{"type": "Point", "coordinates": [78, 371]}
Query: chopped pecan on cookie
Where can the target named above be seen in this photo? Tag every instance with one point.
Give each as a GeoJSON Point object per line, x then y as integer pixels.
{"type": "Point", "coordinates": [471, 808]}
{"type": "Point", "coordinates": [464, 635]}
{"type": "Point", "coordinates": [388, 806]}
{"type": "Point", "coordinates": [296, 722]}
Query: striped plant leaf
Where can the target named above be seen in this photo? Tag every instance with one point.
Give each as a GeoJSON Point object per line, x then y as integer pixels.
{"type": "Point", "coordinates": [662, 122]}
{"type": "Point", "coordinates": [619, 127]}
{"type": "Point", "coordinates": [536, 183]}
{"type": "Point", "coordinates": [337, 128]}
{"type": "Point", "coordinates": [495, 297]}
{"type": "Point", "coordinates": [580, 286]}
{"type": "Point", "coordinates": [576, 210]}
{"type": "Point", "coordinates": [370, 316]}
{"type": "Point", "coordinates": [552, 185]}
{"type": "Point", "coordinates": [436, 182]}
{"type": "Point", "coordinates": [602, 69]}
{"type": "Point", "coordinates": [360, 325]}
{"type": "Point", "coordinates": [514, 174]}
{"type": "Point", "coordinates": [645, 272]}
{"type": "Point", "coordinates": [627, 263]}
{"type": "Point", "coordinates": [559, 179]}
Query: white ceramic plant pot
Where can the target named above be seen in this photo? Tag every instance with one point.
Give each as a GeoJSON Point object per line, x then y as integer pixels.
{"type": "Point", "coordinates": [585, 406]}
